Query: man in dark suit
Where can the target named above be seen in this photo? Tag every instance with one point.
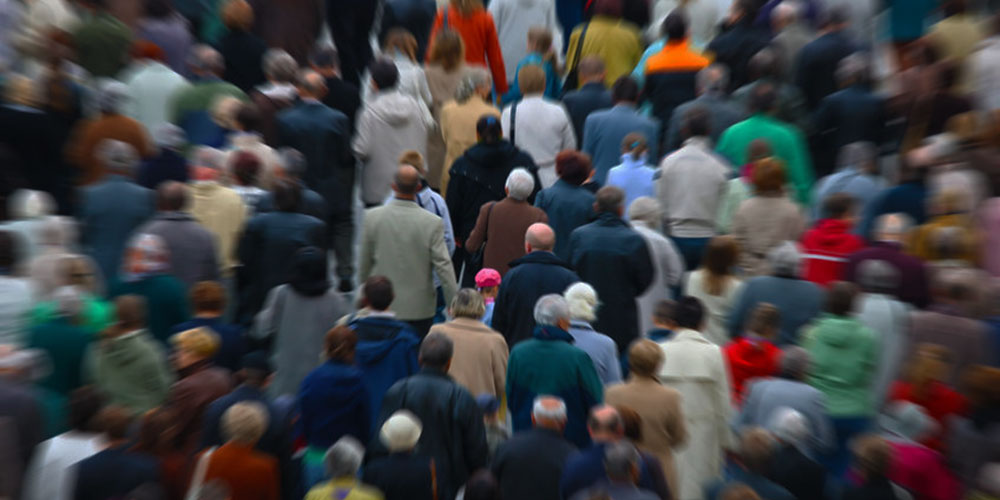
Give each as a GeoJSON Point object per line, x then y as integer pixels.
{"type": "Point", "coordinates": [604, 130]}
{"type": "Point", "coordinates": [115, 471]}
{"type": "Point", "coordinates": [350, 23]}
{"type": "Point", "coordinates": [818, 60]}
{"type": "Point", "coordinates": [590, 97]}
{"type": "Point", "coordinates": [713, 97]}
{"type": "Point", "coordinates": [739, 40]}
{"type": "Point", "coordinates": [341, 95]}
{"type": "Point", "coordinates": [529, 465]}
{"type": "Point", "coordinates": [323, 136]}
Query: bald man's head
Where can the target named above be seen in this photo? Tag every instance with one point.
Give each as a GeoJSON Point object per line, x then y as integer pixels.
{"type": "Point", "coordinates": [407, 181]}
{"type": "Point", "coordinates": [311, 84]}
{"type": "Point", "coordinates": [171, 196]}
{"type": "Point", "coordinates": [539, 237]}
{"type": "Point", "coordinates": [605, 424]}
{"type": "Point", "coordinates": [591, 69]}
{"type": "Point", "coordinates": [130, 311]}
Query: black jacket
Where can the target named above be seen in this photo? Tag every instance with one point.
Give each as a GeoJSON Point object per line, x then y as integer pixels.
{"type": "Point", "coordinates": [529, 465]}
{"type": "Point", "coordinates": [415, 16]}
{"type": "Point", "coordinates": [816, 67]}
{"type": "Point", "coordinates": [479, 177]}
{"type": "Point", "coordinates": [243, 53]}
{"type": "Point", "coordinates": [615, 260]}
{"type": "Point", "coordinates": [581, 103]}
{"type": "Point", "coordinates": [735, 47]}
{"type": "Point", "coordinates": [530, 277]}
{"type": "Point", "coordinates": [453, 432]}
{"type": "Point", "coordinates": [402, 476]}
{"type": "Point", "coordinates": [345, 97]}
{"type": "Point", "coordinates": [798, 474]}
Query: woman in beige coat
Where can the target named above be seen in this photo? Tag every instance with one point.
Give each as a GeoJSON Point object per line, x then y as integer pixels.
{"type": "Point", "coordinates": [459, 117]}
{"type": "Point", "coordinates": [659, 406]}
{"type": "Point", "coordinates": [445, 70]}
{"type": "Point", "coordinates": [767, 219]}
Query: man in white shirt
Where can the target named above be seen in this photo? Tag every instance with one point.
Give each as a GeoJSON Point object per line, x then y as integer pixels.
{"type": "Point", "coordinates": [540, 127]}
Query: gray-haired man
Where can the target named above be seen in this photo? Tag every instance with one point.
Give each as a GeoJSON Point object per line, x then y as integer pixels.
{"type": "Point", "coordinates": [529, 465]}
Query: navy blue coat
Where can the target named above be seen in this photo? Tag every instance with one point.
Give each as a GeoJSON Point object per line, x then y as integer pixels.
{"type": "Point", "coordinates": [109, 212]}
{"type": "Point", "coordinates": [113, 473]}
{"type": "Point", "coordinates": [323, 136]}
{"type": "Point", "coordinates": [604, 132]}
{"type": "Point", "coordinates": [167, 166]}
{"type": "Point", "coordinates": [850, 115]}
{"type": "Point", "coordinates": [311, 204]}
{"type": "Point", "coordinates": [334, 403]}
{"type": "Point", "coordinates": [736, 46]}
{"type": "Point", "coordinates": [386, 353]}
{"type": "Point", "coordinates": [529, 465]}
{"type": "Point", "coordinates": [816, 67]}
{"type": "Point", "coordinates": [568, 207]}
{"type": "Point", "coordinates": [586, 468]}
{"type": "Point", "coordinates": [536, 274]}
{"type": "Point", "coordinates": [581, 103]}
{"type": "Point", "coordinates": [615, 260]}
{"type": "Point", "coordinates": [415, 16]}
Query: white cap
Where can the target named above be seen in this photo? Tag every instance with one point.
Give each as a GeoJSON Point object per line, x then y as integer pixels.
{"type": "Point", "coordinates": [401, 431]}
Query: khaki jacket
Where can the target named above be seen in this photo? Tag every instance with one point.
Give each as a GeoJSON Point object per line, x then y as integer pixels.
{"type": "Point", "coordinates": [480, 360]}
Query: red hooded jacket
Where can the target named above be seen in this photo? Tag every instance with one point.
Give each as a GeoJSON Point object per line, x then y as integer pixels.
{"type": "Point", "coordinates": [748, 359]}
{"type": "Point", "coordinates": [826, 248]}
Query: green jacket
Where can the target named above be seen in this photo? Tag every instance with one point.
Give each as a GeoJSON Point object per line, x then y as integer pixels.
{"type": "Point", "coordinates": [96, 314]}
{"type": "Point", "coordinates": [102, 45]}
{"type": "Point", "coordinates": [131, 370]}
{"type": "Point", "coordinates": [65, 344]}
{"type": "Point", "coordinates": [844, 357]}
{"type": "Point", "coordinates": [786, 141]}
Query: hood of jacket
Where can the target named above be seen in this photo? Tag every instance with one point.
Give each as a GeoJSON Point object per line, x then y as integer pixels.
{"type": "Point", "coordinates": [124, 349]}
{"type": "Point", "coordinates": [830, 234]}
{"type": "Point", "coordinates": [541, 257]}
{"type": "Point", "coordinates": [395, 108]}
{"type": "Point", "coordinates": [383, 336]}
{"type": "Point", "coordinates": [839, 332]}
{"type": "Point", "coordinates": [748, 355]}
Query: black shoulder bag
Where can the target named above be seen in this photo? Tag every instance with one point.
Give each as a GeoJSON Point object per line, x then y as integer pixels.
{"type": "Point", "coordinates": [573, 77]}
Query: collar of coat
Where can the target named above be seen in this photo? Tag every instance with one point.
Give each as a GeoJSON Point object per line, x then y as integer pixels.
{"type": "Point", "coordinates": [610, 219]}
{"type": "Point", "coordinates": [549, 332]}
{"type": "Point", "coordinates": [687, 334]}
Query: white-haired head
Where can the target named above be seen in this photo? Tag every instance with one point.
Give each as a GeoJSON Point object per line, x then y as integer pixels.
{"type": "Point", "coordinates": [520, 184]}
{"type": "Point", "coordinates": [30, 204]}
{"type": "Point", "coordinates": [279, 66]}
{"type": "Point", "coordinates": [548, 409]}
{"type": "Point", "coordinates": [343, 459]}
{"type": "Point", "coordinates": [205, 60]}
{"type": "Point", "coordinates": [645, 210]}
{"type": "Point", "coordinates": [785, 260]}
{"type": "Point", "coordinates": [551, 310]}
{"type": "Point", "coordinates": [117, 156]}
{"type": "Point", "coordinates": [208, 157]}
{"type": "Point", "coordinates": [789, 426]}
{"type": "Point", "coordinates": [111, 97]}
{"type": "Point", "coordinates": [582, 300]}
{"type": "Point", "coordinates": [476, 80]}
{"type": "Point", "coordinates": [892, 227]}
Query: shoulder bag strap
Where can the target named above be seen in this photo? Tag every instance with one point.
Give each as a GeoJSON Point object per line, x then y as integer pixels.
{"type": "Point", "coordinates": [579, 46]}
{"type": "Point", "coordinates": [513, 123]}
{"type": "Point", "coordinates": [199, 475]}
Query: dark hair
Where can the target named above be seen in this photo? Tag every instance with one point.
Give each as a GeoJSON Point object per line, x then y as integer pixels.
{"type": "Point", "coordinates": [378, 292]}
{"type": "Point", "coordinates": [838, 205]}
{"type": "Point", "coordinates": [948, 73]}
{"type": "Point", "coordinates": [171, 196]}
{"type": "Point", "coordinates": [482, 486]}
{"type": "Point", "coordinates": [489, 130]}
{"type": "Point", "coordinates": [664, 310]}
{"type": "Point", "coordinates": [325, 56]}
{"type": "Point", "coordinates": [749, 8]}
{"type": "Point", "coordinates": [573, 166]}
{"type": "Point", "coordinates": [675, 26]}
{"type": "Point", "coordinates": [309, 272]}
{"type": "Point", "coordinates": [158, 9]}
{"type": "Point", "coordinates": [9, 252]}
{"type": "Point", "coordinates": [625, 89]}
{"type": "Point", "coordinates": [246, 168]}
{"type": "Point", "coordinates": [697, 122]}
{"type": "Point", "coordinates": [287, 195]}
{"type": "Point", "coordinates": [689, 313]}
{"type": "Point", "coordinates": [158, 433]}
{"type": "Point", "coordinates": [834, 16]}
{"type": "Point", "coordinates": [763, 98]}
{"type": "Point", "coordinates": [208, 296]}
{"type": "Point", "coordinates": [632, 422]}
{"type": "Point", "coordinates": [609, 199]}
{"type": "Point", "coordinates": [719, 258]}
{"type": "Point", "coordinates": [384, 73]}
{"type": "Point", "coordinates": [609, 8]}
{"type": "Point", "coordinates": [249, 117]}
{"type": "Point", "coordinates": [83, 405]}
{"type": "Point", "coordinates": [840, 298]}
{"type": "Point", "coordinates": [114, 421]}
{"type": "Point", "coordinates": [763, 64]}
{"type": "Point", "coordinates": [436, 350]}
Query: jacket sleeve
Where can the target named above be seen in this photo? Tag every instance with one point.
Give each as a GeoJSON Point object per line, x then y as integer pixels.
{"type": "Point", "coordinates": [589, 138]}
{"type": "Point", "coordinates": [478, 234]}
{"type": "Point", "coordinates": [590, 382]}
{"type": "Point", "coordinates": [363, 142]}
{"type": "Point", "coordinates": [366, 258]}
{"type": "Point", "coordinates": [449, 229]}
{"type": "Point", "coordinates": [571, 61]}
{"type": "Point", "coordinates": [500, 355]}
{"type": "Point", "coordinates": [500, 321]}
{"type": "Point", "coordinates": [801, 173]}
{"type": "Point", "coordinates": [264, 323]}
{"type": "Point", "coordinates": [723, 402]}
{"type": "Point", "coordinates": [643, 270]}
{"type": "Point", "coordinates": [477, 451]}
{"type": "Point", "coordinates": [673, 131]}
{"type": "Point", "coordinates": [495, 56]}
{"type": "Point", "coordinates": [442, 264]}
{"type": "Point", "coordinates": [455, 198]}
{"type": "Point", "coordinates": [738, 312]}
{"type": "Point", "coordinates": [568, 136]}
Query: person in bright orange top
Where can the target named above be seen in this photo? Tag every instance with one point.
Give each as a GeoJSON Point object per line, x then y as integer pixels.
{"type": "Point", "coordinates": [754, 354]}
{"type": "Point", "coordinates": [249, 474]}
{"type": "Point", "coordinates": [482, 47]}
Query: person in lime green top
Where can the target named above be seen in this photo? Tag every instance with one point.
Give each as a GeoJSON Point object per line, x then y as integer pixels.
{"type": "Point", "coordinates": [342, 463]}
{"type": "Point", "coordinates": [786, 141]}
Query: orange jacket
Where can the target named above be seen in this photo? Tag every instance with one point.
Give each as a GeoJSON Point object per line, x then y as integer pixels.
{"type": "Point", "coordinates": [481, 43]}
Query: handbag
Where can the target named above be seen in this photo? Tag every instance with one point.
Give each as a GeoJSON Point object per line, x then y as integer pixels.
{"type": "Point", "coordinates": [476, 258]}
{"type": "Point", "coordinates": [513, 124]}
{"type": "Point", "coordinates": [572, 76]}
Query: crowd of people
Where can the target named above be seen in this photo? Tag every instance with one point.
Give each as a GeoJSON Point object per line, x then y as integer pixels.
{"type": "Point", "coordinates": [512, 249]}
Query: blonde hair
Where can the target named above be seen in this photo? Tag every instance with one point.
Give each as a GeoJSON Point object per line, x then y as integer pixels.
{"type": "Point", "coordinates": [245, 422]}
{"type": "Point", "coordinates": [582, 300]}
{"type": "Point", "coordinates": [414, 159]}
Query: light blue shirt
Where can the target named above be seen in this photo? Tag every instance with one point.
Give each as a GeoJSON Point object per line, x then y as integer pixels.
{"type": "Point", "coordinates": [861, 186]}
{"type": "Point", "coordinates": [634, 177]}
{"type": "Point", "coordinates": [601, 349]}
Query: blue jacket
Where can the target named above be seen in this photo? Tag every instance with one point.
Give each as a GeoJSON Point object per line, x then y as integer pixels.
{"type": "Point", "coordinates": [109, 213]}
{"type": "Point", "coordinates": [581, 103]}
{"type": "Point", "coordinates": [536, 274]}
{"type": "Point", "coordinates": [604, 131]}
{"type": "Point", "coordinates": [333, 402]}
{"type": "Point", "coordinates": [586, 468]}
{"type": "Point", "coordinates": [167, 166]}
{"type": "Point", "coordinates": [232, 348]}
{"type": "Point", "coordinates": [323, 135]}
{"type": "Point", "coordinates": [909, 198]}
{"type": "Point", "coordinates": [615, 260]}
{"type": "Point", "coordinates": [799, 301]}
{"type": "Point", "coordinates": [568, 207]}
{"type": "Point", "coordinates": [851, 115]}
{"type": "Point", "coordinates": [550, 364]}
{"type": "Point", "coordinates": [386, 353]}
{"type": "Point", "coordinates": [553, 83]}
{"type": "Point", "coordinates": [817, 64]}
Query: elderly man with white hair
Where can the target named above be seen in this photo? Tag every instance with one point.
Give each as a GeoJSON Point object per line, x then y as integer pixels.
{"type": "Point", "coordinates": [791, 465]}
{"type": "Point", "coordinates": [549, 363]}
{"type": "Point", "coordinates": [404, 474]}
{"type": "Point", "coordinates": [528, 466]}
{"type": "Point", "coordinates": [583, 305]}
{"type": "Point", "coordinates": [646, 217]}
{"type": "Point", "coordinates": [501, 224]}
{"type": "Point", "coordinates": [767, 397]}
{"type": "Point", "coordinates": [110, 124]}
{"type": "Point", "coordinates": [112, 209]}
{"type": "Point", "coordinates": [798, 300]}
{"type": "Point", "coordinates": [343, 461]}
{"type": "Point", "coordinates": [192, 105]}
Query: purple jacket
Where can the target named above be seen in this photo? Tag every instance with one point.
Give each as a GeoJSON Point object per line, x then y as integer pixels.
{"type": "Point", "coordinates": [913, 284]}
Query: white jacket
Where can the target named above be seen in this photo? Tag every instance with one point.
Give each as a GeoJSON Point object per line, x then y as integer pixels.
{"type": "Point", "coordinates": [542, 130]}
{"type": "Point", "coordinates": [412, 81]}
{"type": "Point", "coordinates": [513, 19]}
{"type": "Point", "coordinates": [669, 268]}
{"type": "Point", "coordinates": [984, 69]}
{"type": "Point", "coordinates": [694, 366]}
{"type": "Point", "coordinates": [391, 123]}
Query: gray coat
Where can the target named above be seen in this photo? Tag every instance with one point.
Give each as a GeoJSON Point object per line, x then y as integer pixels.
{"type": "Point", "coordinates": [604, 131]}
{"type": "Point", "coordinates": [723, 112]}
{"type": "Point", "coordinates": [193, 256]}
{"type": "Point", "coordinates": [765, 396]}
{"type": "Point", "coordinates": [297, 324]}
{"type": "Point", "coordinates": [109, 212]}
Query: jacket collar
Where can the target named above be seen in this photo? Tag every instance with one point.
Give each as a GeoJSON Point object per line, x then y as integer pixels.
{"type": "Point", "coordinates": [434, 372]}
{"type": "Point", "coordinates": [549, 333]}
{"type": "Point", "coordinates": [703, 143]}
{"type": "Point", "coordinates": [610, 219]}
{"type": "Point", "coordinates": [399, 202]}
{"type": "Point", "coordinates": [541, 257]}
{"type": "Point", "coordinates": [597, 87]}
{"type": "Point", "coordinates": [686, 334]}
{"type": "Point", "coordinates": [470, 324]}
{"type": "Point", "coordinates": [578, 324]}
{"type": "Point", "coordinates": [660, 334]}
{"type": "Point", "coordinates": [174, 216]}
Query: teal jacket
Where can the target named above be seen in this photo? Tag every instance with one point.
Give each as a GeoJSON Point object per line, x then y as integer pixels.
{"type": "Point", "coordinates": [786, 141]}
{"type": "Point", "coordinates": [844, 357]}
{"type": "Point", "coordinates": [65, 344]}
{"type": "Point", "coordinates": [548, 364]}
{"type": "Point", "coordinates": [166, 302]}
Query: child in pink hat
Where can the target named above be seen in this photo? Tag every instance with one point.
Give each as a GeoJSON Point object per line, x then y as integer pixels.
{"type": "Point", "coordinates": [488, 284]}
